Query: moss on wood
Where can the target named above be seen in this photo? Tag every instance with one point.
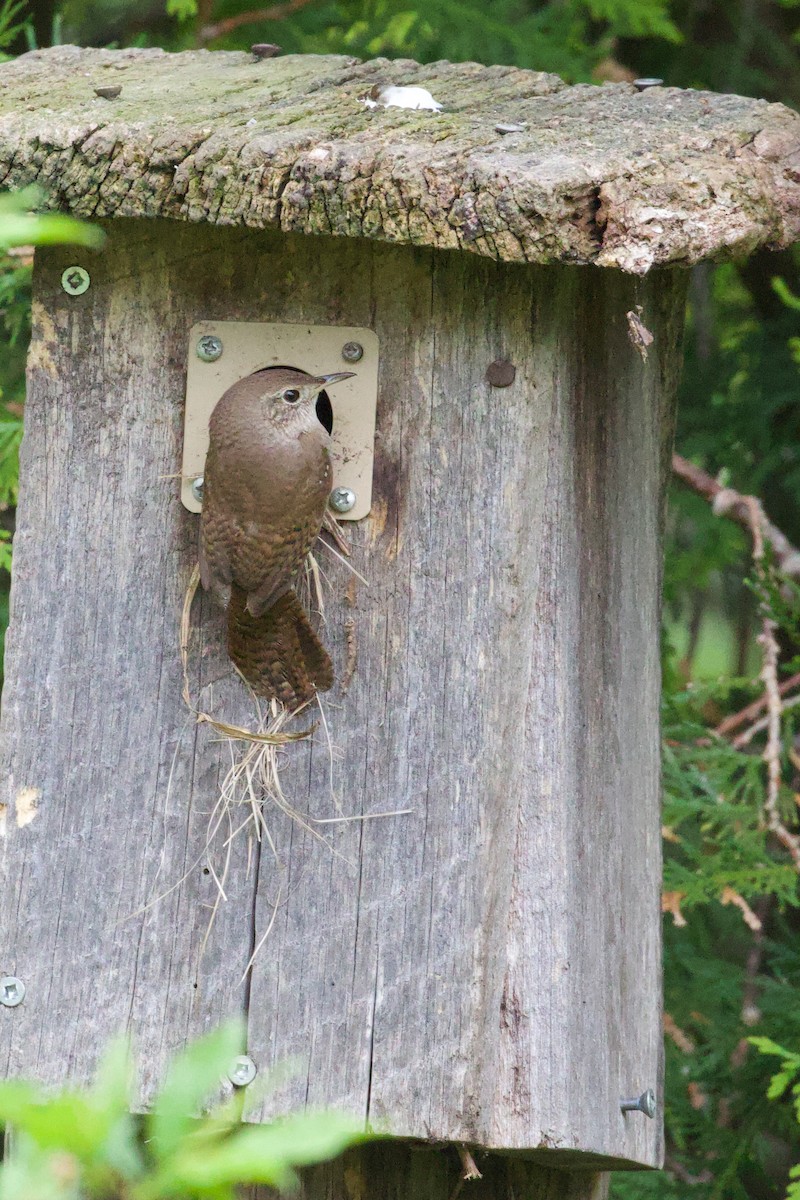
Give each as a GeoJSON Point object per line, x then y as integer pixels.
{"type": "Point", "coordinates": [604, 175]}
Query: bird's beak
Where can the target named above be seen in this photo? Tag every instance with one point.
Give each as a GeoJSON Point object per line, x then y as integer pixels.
{"type": "Point", "coordinates": [328, 380]}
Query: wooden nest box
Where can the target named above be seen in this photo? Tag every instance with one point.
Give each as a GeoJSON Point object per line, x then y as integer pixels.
{"type": "Point", "coordinates": [481, 966]}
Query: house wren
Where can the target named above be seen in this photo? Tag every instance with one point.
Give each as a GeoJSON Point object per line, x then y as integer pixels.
{"type": "Point", "coordinates": [266, 485]}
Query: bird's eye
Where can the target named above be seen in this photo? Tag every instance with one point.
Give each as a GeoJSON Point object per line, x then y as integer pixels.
{"type": "Point", "coordinates": [291, 395]}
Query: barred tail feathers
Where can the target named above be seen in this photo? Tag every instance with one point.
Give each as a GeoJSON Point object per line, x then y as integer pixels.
{"type": "Point", "coordinates": [278, 652]}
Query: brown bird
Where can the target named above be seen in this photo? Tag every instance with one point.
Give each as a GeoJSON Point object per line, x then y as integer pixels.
{"type": "Point", "coordinates": [266, 485]}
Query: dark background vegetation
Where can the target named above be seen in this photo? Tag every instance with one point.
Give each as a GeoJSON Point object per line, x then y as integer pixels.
{"type": "Point", "coordinates": [732, 930]}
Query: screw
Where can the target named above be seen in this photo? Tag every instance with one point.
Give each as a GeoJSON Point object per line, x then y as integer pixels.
{"type": "Point", "coordinates": [12, 991]}
{"type": "Point", "coordinates": [646, 1104]}
{"type": "Point", "coordinates": [642, 85]}
{"type": "Point", "coordinates": [342, 499]}
{"type": "Point", "coordinates": [242, 1071]}
{"type": "Point", "coordinates": [75, 281]}
{"type": "Point", "coordinates": [209, 348]}
{"type": "Point", "coordinates": [352, 352]}
{"type": "Point", "coordinates": [197, 488]}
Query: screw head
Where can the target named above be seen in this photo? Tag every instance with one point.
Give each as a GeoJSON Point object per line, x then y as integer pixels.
{"type": "Point", "coordinates": [12, 991]}
{"type": "Point", "coordinates": [242, 1071]}
{"type": "Point", "coordinates": [343, 499]}
{"type": "Point", "coordinates": [352, 351]}
{"type": "Point", "coordinates": [197, 488]}
{"type": "Point", "coordinates": [646, 1103]}
{"type": "Point", "coordinates": [75, 281]}
{"type": "Point", "coordinates": [209, 348]}
{"type": "Point", "coordinates": [642, 85]}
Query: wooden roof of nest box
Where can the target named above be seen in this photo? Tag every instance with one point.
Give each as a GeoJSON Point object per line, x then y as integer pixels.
{"type": "Point", "coordinates": [608, 175]}
{"type": "Point", "coordinates": [482, 966]}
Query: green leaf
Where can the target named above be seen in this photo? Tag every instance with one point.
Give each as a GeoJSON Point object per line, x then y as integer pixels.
{"type": "Point", "coordinates": [787, 296]}
{"type": "Point", "coordinates": [112, 1085]}
{"type": "Point", "coordinates": [65, 1121]}
{"type": "Point", "coordinates": [182, 9]}
{"type": "Point", "coordinates": [779, 1083]}
{"type": "Point", "coordinates": [19, 226]}
{"type": "Point", "coordinates": [193, 1078]}
{"type": "Point", "coordinates": [265, 1154]}
{"type": "Point", "coordinates": [15, 1096]}
{"type": "Point", "coordinates": [34, 1174]}
{"type": "Point", "coordinates": [765, 1045]}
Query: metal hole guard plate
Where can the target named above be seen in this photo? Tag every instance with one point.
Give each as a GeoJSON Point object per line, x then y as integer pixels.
{"type": "Point", "coordinates": [248, 346]}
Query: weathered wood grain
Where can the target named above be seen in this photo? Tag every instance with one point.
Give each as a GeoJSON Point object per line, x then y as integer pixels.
{"type": "Point", "coordinates": [485, 968]}
{"type": "Point", "coordinates": [598, 174]}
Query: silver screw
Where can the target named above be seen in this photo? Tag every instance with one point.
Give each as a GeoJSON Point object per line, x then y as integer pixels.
{"type": "Point", "coordinates": [242, 1071]}
{"type": "Point", "coordinates": [642, 85]}
{"type": "Point", "coordinates": [342, 499]}
{"type": "Point", "coordinates": [12, 991]}
{"type": "Point", "coordinates": [352, 351]}
{"type": "Point", "coordinates": [646, 1104]}
{"type": "Point", "coordinates": [75, 281]}
{"type": "Point", "coordinates": [209, 348]}
{"type": "Point", "coordinates": [197, 489]}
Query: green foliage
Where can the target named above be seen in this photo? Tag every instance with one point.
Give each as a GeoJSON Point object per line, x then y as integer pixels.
{"type": "Point", "coordinates": [10, 25]}
{"type": "Point", "coordinates": [713, 807]}
{"type": "Point", "coordinates": [20, 226]}
{"type": "Point", "coordinates": [182, 9]}
{"type": "Point", "coordinates": [79, 1145]}
{"type": "Point", "coordinates": [787, 1078]}
{"type": "Point", "coordinates": [570, 37]}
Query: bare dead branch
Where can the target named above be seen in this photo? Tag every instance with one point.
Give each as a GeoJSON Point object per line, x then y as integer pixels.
{"type": "Point", "coordinates": [746, 736]}
{"type": "Point", "coordinates": [276, 12]}
{"type": "Point", "coordinates": [674, 1167]}
{"type": "Point", "coordinates": [751, 712]}
{"type": "Point", "coordinates": [748, 512]}
{"type": "Point", "coordinates": [772, 750]}
{"type": "Point", "coordinates": [469, 1168]}
{"type": "Point", "coordinates": [732, 504]}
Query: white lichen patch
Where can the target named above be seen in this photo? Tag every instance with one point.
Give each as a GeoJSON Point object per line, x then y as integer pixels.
{"type": "Point", "coordinates": [27, 804]}
{"type": "Point", "coordinates": [418, 98]}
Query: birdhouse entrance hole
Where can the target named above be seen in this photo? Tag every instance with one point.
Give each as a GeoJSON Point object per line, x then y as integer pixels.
{"type": "Point", "coordinates": [221, 352]}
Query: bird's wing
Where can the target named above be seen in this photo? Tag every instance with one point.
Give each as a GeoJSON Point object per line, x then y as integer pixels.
{"type": "Point", "coordinates": [215, 566]}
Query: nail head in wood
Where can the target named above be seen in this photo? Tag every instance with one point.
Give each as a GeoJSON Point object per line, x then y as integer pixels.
{"type": "Point", "coordinates": [501, 373]}
{"type": "Point", "coordinates": [646, 1103]}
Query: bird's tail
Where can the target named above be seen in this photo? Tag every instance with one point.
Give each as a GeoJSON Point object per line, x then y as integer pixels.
{"type": "Point", "coordinates": [278, 652]}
